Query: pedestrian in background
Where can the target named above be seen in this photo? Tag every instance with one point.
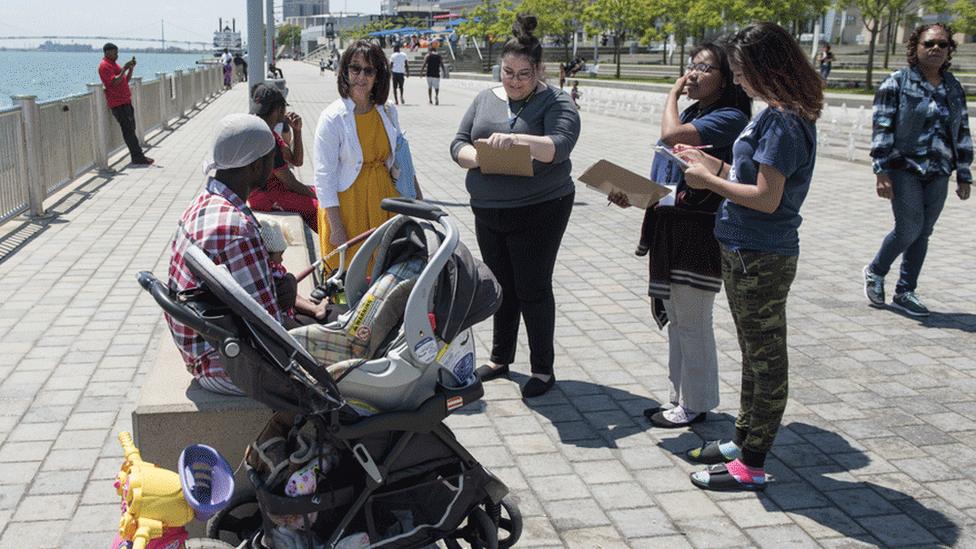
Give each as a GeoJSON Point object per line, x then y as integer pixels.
{"type": "Point", "coordinates": [685, 269]}
{"type": "Point", "coordinates": [227, 63]}
{"type": "Point", "coordinates": [921, 135]}
{"type": "Point", "coordinates": [400, 70]}
{"type": "Point", "coordinates": [433, 67]}
{"type": "Point", "coordinates": [355, 142]}
{"type": "Point", "coordinates": [520, 221]}
{"type": "Point", "coordinates": [826, 59]}
{"type": "Point", "coordinates": [119, 99]}
{"type": "Point", "coordinates": [756, 227]}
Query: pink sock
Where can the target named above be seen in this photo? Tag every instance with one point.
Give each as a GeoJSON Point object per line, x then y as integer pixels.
{"type": "Point", "coordinates": [745, 474]}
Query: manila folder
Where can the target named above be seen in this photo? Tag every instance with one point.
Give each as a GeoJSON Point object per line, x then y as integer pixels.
{"type": "Point", "coordinates": [607, 177]}
{"type": "Point", "coordinates": [514, 161]}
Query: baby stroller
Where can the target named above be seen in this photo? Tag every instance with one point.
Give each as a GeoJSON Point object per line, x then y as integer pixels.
{"type": "Point", "coordinates": [361, 442]}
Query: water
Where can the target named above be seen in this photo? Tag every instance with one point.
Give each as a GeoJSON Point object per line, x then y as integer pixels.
{"type": "Point", "coordinates": [52, 75]}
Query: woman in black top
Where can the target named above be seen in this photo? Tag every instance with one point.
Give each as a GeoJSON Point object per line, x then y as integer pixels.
{"type": "Point", "coordinates": [685, 265]}
{"type": "Point", "coordinates": [520, 221]}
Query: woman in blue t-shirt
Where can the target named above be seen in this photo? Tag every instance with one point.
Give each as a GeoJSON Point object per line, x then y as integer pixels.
{"type": "Point", "coordinates": [684, 265]}
{"type": "Point", "coordinates": [756, 227]}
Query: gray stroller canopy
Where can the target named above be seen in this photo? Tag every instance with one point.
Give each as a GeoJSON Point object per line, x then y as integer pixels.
{"type": "Point", "coordinates": [466, 292]}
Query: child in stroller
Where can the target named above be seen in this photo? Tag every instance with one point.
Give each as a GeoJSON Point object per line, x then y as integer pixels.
{"type": "Point", "coordinates": [371, 411]}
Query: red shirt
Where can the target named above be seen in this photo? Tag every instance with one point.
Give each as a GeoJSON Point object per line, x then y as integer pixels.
{"type": "Point", "coordinates": [118, 93]}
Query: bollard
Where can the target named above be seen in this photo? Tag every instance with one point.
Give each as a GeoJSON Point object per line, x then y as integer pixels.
{"type": "Point", "coordinates": [137, 103]}
{"type": "Point", "coordinates": [163, 99]}
{"type": "Point", "coordinates": [31, 116]}
{"type": "Point", "coordinates": [99, 126]}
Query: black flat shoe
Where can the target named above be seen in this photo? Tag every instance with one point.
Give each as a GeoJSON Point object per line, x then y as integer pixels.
{"type": "Point", "coordinates": [536, 387]}
{"type": "Point", "coordinates": [641, 250]}
{"type": "Point", "coordinates": [485, 372]}
{"type": "Point", "coordinates": [659, 420]}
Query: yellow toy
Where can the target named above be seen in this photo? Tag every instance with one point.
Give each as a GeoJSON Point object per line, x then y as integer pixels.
{"type": "Point", "coordinates": [157, 503]}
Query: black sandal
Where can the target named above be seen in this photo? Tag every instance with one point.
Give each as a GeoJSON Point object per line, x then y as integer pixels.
{"type": "Point", "coordinates": [718, 478]}
{"type": "Point", "coordinates": [709, 454]}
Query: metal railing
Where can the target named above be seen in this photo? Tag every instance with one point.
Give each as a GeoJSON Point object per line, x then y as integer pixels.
{"type": "Point", "coordinates": [44, 146]}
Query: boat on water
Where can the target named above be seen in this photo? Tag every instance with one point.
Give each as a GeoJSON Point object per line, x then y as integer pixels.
{"type": "Point", "coordinates": [227, 37]}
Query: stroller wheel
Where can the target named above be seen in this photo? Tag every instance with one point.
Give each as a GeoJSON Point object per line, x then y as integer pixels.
{"type": "Point", "coordinates": [509, 522]}
{"type": "Point", "coordinates": [479, 532]}
{"type": "Point", "coordinates": [238, 521]}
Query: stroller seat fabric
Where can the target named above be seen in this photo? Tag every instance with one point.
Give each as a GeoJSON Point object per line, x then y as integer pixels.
{"type": "Point", "coordinates": [361, 332]}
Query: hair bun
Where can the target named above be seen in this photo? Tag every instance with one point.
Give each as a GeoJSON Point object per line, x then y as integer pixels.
{"type": "Point", "coordinates": [524, 26]}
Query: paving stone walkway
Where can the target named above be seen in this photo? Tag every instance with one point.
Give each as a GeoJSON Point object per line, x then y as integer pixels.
{"type": "Point", "coordinates": [879, 441]}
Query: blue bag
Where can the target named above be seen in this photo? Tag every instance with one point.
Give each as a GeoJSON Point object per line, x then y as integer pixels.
{"type": "Point", "coordinates": [403, 168]}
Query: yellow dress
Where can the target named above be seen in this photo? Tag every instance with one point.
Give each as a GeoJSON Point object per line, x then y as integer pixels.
{"type": "Point", "coordinates": [359, 205]}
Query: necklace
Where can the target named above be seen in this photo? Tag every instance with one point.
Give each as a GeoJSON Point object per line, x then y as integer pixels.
{"type": "Point", "coordinates": [513, 118]}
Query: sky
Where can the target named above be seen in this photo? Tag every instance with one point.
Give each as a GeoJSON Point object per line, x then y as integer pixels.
{"type": "Point", "coordinates": [184, 19]}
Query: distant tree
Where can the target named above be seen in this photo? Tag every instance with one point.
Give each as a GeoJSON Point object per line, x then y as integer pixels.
{"type": "Point", "coordinates": [965, 16]}
{"type": "Point", "coordinates": [559, 18]}
{"type": "Point", "coordinates": [490, 20]}
{"type": "Point", "coordinates": [682, 20]}
{"type": "Point", "coordinates": [289, 35]}
{"type": "Point", "coordinates": [873, 13]}
{"type": "Point", "coordinates": [620, 19]}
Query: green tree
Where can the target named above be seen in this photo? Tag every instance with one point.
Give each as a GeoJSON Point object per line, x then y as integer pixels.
{"type": "Point", "coordinates": [559, 18]}
{"type": "Point", "coordinates": [682, 20]}
{"type": "Point", "coordinates": [873, 13]}
{"type": "Point", "coordinates": [489, 20]}
{"type": "Point", "coordinates": [289, 35]}
{"type": "Point", "coordinates": [965, 16]}
{"type": "Point", "coordinates": [619, 19]}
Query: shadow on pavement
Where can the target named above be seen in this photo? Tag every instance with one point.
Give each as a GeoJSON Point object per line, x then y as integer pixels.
{"type": "Point", "coordinates": [598, 415]}
{"type": "Point", "coordinates": [965, 322]}
{"type": "Point", "coordinates": [811, 472]}
{"type": "Point", "coordinates": [81, 189]}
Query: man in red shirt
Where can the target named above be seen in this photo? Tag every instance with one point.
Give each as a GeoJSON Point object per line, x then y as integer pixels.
{"type": "Point", "coordinates": [119, 98]}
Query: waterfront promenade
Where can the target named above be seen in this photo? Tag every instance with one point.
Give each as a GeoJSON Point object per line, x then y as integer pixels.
{"type": "Point", "coordinates": [879, 439]}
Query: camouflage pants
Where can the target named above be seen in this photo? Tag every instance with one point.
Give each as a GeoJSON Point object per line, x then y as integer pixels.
{"type": "Point", "coordinates": [757, 284]}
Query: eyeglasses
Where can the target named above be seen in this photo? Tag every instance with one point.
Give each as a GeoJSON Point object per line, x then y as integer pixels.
{"type": "Point", "coordinates": [521, 76]}
{"type": "Point", "coordinates": [944, 44]}
{"type": "Point", "coordinates": [356, 70]}
{"type": "Point", "coordinates": [700, 67]}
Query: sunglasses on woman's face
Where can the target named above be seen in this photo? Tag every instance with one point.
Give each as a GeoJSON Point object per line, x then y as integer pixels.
{"type": "Point", "coordinates": [356, 70]}
{"type": "Point", "coordinates": [944, 44]}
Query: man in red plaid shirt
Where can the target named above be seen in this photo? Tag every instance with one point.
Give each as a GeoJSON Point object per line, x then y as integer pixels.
{"type": "Point", "coordinates": [220, 223]}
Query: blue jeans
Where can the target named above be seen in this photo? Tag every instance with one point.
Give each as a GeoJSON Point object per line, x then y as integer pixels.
{"type": "Point", "coordinates": [916, 202]}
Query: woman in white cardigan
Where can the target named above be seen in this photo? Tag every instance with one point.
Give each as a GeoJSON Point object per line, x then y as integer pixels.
{"type": "Point", "coordinates": [355, 142]}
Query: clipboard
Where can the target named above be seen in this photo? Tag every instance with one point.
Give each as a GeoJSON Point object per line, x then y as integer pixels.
{"type": "Point", "coordinates": [669, 154]}
{"type": "Point", "coordinates": [513, 161]}
{"type": "Point", "coordinates": [606, 177]}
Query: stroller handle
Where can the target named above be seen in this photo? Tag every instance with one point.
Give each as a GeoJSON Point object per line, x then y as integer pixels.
{"type": "Point", "coordinates": [413, 208]}
{"type": "Point", "coordinates": [421, 341]}
{"type": "Point", "coordinates": [161, 294]}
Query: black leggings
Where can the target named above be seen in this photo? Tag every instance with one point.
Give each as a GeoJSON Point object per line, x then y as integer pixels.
{"type": "Point", "coordinates": [519, 245]}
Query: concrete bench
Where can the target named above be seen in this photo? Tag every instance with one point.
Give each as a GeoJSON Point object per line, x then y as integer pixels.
{"type": "Point", "coordinates": [174, 411]}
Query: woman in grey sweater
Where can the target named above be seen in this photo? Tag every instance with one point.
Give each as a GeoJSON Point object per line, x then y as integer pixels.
{"type": "Point", "coordinates": [520, 221]}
